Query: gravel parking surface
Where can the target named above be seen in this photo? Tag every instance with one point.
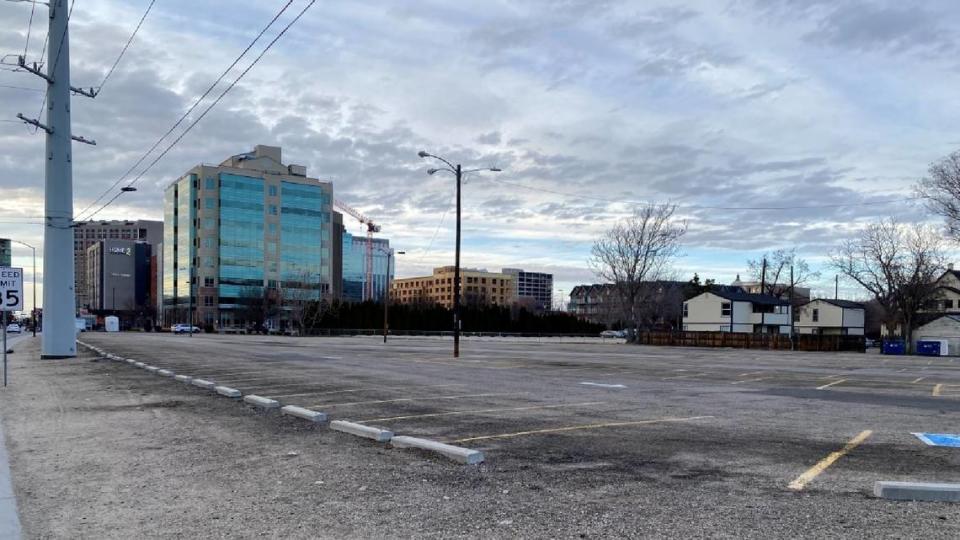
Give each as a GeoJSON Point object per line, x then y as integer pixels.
{"type": "Point", "coordinates": [581, 440]}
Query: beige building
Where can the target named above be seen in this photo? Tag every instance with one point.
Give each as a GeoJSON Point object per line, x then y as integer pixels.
{"type": "Point", "coordinates": [830, 317]}
{"type": "Point", "coordinates": [724, 311]}
{"type": "Point", "coordinates": [478, 287]}
{"type": "Point", "coordinates": [88, 233]}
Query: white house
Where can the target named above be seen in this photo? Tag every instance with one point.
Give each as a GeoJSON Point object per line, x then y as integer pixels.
{"type": "Point", "coordinates": [944, 328]}
{"type": "Point", "coordinates": [947, 298]}
{"type": "Point", "coordinates": [830, 317]}
{"type": "Point", "coordinates": [723, 311]}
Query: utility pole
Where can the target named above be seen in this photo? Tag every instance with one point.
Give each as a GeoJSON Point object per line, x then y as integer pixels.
{"type": "Point", "coordinates": [791, 308]}
{"type": "Point", "coordinates": [836, 287]}
{"type": "Point", "coordinates": [386, 299]}
{"type": "Point", "coordinates": [33, 314]}
{"type": "Point", "coordinates": [456, 276]}
{"type": "Point", "coordinates": [59, 296]}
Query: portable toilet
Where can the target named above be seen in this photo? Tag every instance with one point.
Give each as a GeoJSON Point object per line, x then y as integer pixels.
{"type": "Point", "coordinates": [111, 324]}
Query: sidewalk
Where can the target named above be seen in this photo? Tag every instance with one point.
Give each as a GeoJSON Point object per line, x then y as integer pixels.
{"type": "Point", "coordinates": [9, 522]}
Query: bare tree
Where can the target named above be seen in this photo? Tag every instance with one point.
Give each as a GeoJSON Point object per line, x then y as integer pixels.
{"type": "Point", "coordinates": [302, 302]}
{"type": "Point", "coordinates": [779, 280]}
{"type": "Point", "coordinates": [636, 250]}
{"type": "Point", "coordinates": [257, 305]}
{"type": "Point", "coordinates": [898, 264]}
{"type": "Point", "coordinates": [942, 191]}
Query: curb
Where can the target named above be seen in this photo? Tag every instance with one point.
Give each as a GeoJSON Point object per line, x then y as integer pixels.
{"type": "Point", "coordinates": [360, 430]}
{"type": "Point", "coordinates": [183, 378]}
{"type": "Point", "coordinates": [227, 391]}
{"type": "Point", "coordinates": [139, 364]}
{"type": "Point", "coordinates": [456, 453]}
{"type": "Point", "coordinates": [262, 402]}
{"type": "Point", "coordinates": [202, 383]}
{"type": "Point", "coordinates": [165, 372]}
{"type": "Point", "coordinates": [152, 369]}
{"type": "Point", "coordinates": [917, 491]}
{"type": "Point", "coordinates": [306, 414]}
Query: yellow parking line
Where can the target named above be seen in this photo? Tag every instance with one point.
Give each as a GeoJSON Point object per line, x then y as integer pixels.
{"type": "Point", "coordinates": [481, 411]}
{"type": "Point", "coordinates": [937, 389]}
{"type": "Point", "coordinates": [586, 426]}
{"type": "Point", "coordinates": [828, 385]}
{"type": "Point", "coordinates": [422, 398]}
{"type": "Point", "coordinates": [815, 471]}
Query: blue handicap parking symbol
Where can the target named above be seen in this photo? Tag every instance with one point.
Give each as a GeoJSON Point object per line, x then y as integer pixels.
{"type": "Point", "coordinates": [940, 439]}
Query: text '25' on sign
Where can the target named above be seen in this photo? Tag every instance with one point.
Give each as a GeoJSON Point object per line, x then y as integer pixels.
{"type": "Point", "coordinates": [11, 289]}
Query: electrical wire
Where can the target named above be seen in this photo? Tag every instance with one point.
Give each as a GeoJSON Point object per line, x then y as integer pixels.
{"type": "Point", "coordinates": [21, 88]}
{"type": "Point", "coordinates": [437, 230]}
{"type": "Point", "coordinates": [125, 47]}
{"type": "Point", "coordinates": [46, 94]}
{"type": "Point", "coordinates": [706, 207]}
{"type": "Point", "coordinates": [187, 113]}
{"type": "Point", "coordinates": [208, 109]}
{"type": "Point", "coordinates": [33, 8]}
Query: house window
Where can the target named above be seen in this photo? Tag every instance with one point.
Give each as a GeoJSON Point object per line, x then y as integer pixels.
{"type": "Point", "coordinates": [816, 315]}
{"type": "Point", "coordinates": [686, 309]}
{"type": "Point", "coordinates": [725, 309]}
{"type": "Point", "coordinates": [948, 304]}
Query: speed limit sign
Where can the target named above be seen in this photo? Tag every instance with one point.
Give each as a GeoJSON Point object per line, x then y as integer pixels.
{"type": "Point", "coordinates": [11, 289]}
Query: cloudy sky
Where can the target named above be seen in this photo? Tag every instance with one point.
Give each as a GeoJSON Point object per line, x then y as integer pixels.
{"type": "Point", "coordinates": [589, 107]}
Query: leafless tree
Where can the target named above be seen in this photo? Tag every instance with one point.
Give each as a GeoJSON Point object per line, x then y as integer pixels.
{"type": "Point", "coordinates": [257, 305]}
{"type": "Point", "coordinates": [942, 191]}
{"type": "Point", "coordinates": [897, 264]}
{"type": "Point", "coordinates": [301, 302]}
{"type": "Point", "coordinates": [779, 281]}
{"type": "Point", "coordinates": [636, 250]}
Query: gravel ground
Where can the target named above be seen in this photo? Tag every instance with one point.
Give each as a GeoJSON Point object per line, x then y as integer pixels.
{"type": "Point", "coordinates": [676, 442]}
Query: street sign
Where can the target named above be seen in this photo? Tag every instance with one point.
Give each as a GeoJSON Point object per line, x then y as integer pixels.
{"type": "Point", "coordinates": [11, 289]}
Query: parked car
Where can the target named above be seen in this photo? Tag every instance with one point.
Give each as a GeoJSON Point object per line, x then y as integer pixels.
{"type": "Point", "coordinates": [184, 329]}
{"type": "Point", "coordinates": [13, 328]}
{"type": "Point", "coordinates": [613, 334]}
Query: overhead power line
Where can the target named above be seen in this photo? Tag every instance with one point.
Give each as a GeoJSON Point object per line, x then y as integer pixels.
{"type": "Point", "coordinates": [187, 113]}
{"type": "Point", "coordinates": [33, 8]}
{"type": "Point", "coordinates": [125, 47]}
{"type": "Point", "coordinates": [56, 59]}
{"type": "Point", "coordinates": [709, 207]}
{"type": "Point", "coordinates": [208, 109]}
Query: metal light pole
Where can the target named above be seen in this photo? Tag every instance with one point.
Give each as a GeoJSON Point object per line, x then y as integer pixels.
{"type": "Point", "coordinates": [386, 292]}
{"type": "Point", "coordinates": [458, 173]}
{"type": "Point", "coordinates": [33, 314]}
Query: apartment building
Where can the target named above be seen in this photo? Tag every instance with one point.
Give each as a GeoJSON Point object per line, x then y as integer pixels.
{"type": "Point", "coordinates": [533, 289]}
{"type": "Point", "coordinates": [478, 287]}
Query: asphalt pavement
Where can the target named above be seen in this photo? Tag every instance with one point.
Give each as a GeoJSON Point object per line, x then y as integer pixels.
{"type": "Point", "coordinates": [581, 440]}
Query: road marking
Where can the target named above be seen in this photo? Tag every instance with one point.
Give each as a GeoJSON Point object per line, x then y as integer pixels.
{"type": "Point", "coordinates": [901, 370]}
{"type": "Point", "coordinates": [828, 385]}
{"type": "Point", "coordinates": [937, 389]}
{"type": "Point", "coordinates": [603, 385]}
{"type": "Point", "coordinates": [918, 379]}
{"type": "Point", "coordinates": [364, 389]}
{"type": "Point", "coordinates": [423, 398]}
{"type": "Point", "coordinates": [747, 374]}
{"type": "Point", "coordinates": [752, 380]}
{"type": "Point", "coordinates": [815, 471]}
{"type": "Point", "coordinates": [480, 411]}
{"type": "Point", "coordinates": [585, 426]}
{"type": "Point", "coordinates": [684, 376]}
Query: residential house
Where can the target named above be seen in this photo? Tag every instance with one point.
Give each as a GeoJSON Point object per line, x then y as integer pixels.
{"type": "Point", "coordinates": [732, 311]}
{"type": "Point", "coordinates": [947, 298]}
{"type": "Point", "coordinates": [780, 290]}
{"type": "Point", "coordinates": [830, 317]}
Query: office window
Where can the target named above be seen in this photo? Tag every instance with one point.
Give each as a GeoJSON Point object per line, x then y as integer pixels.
{"type": "Point", "coordinates": [725, 309]}
{"type": "Point", "coordinates": [272, 191]}
{"type": "Point", "coordinates": [209, 223]}
{"type": "Point", "coordinates": [273, 209]}
{"type": "Point", "coordinates": [816, 315]}
{"type": "Point", "coordinates": [209, 203]}
{"type": "Point", "coordinates": [210, 183]}
{"type": "Point", "coordinates": [209, 281]}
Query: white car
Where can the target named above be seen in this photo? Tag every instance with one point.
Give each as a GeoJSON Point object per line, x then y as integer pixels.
{"type": "Point", "coordinates": [13, 328]}
{"type": "Point", "coordinates": [184, 329]}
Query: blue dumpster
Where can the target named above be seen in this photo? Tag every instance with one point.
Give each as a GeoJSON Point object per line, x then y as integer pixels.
{"type": "Point", "coordinates": [928, 348]}
{"type": "Point", "coordinates": [894, 347]}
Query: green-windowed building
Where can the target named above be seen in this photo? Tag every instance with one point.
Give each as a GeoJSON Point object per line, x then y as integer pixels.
{"type": "Point", "coordinates": [253, 236]}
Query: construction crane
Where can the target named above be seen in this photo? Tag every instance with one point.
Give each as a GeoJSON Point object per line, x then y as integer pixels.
{"type": "Point", "coordinates": [368, 256]}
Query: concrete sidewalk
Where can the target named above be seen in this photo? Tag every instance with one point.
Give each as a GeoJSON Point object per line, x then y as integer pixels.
{"type": "Point", "coordinates": [9, 522]}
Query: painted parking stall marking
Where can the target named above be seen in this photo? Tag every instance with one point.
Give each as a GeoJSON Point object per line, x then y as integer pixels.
{"type": "Point", "coordinates": [815, 471]}
{"type": "Point", "coordinates": [951, 440]}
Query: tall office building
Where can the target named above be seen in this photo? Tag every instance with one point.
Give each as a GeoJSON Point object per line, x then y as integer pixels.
{"type": "Point", "coordinates": [88, 233]}
{"type": "Point", "coordinates": [118, 276]}
{"type": "Point", "coordinates": [477, 288]}
{"type": "Point", "coordinates": [250, 231]}
{"type": "Point", "coordinates": [533, 288]}
{"type": "Point", "coordinates": [6, 252]}
{"type": "Point", "coordinates": [354, 275]}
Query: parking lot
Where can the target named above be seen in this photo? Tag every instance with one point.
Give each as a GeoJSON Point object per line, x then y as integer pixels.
{"type": "Point", "coordinates": [731, 439]}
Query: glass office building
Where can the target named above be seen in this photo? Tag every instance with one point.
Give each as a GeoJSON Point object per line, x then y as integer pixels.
{"type": "Point", "coordinates": [249, 234]}
{"type": "Point", "coordinates": [354, 278]}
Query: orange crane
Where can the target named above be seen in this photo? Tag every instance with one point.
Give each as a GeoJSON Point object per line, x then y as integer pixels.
{"type": "Point", "coordinates": [368, 258]}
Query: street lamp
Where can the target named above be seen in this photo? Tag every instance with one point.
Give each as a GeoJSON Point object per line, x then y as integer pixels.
{"type": "Point", "coordinates": [458, 173]}
{"type": "Point", "coordinates": [386, 290]}
{"type": "Point", "coordinates": [33, 314]}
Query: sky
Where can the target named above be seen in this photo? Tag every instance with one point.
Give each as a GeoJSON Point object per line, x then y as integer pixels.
{"type": "Point", "coordinates": [590, 107]}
